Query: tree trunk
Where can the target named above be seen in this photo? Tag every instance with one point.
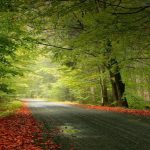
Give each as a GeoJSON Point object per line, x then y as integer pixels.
{"type": "Point", "coordinates": [104, 93]}
{"type": "Point", "coordinates": [103, 85]}
{"type": "Point", "coordinates": [118, 87]}
{"type": "Point", "coordinates": [92, 91]}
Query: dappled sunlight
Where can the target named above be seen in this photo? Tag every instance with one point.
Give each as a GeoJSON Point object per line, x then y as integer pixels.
{"type": "Point", "coordinates": [69, 130]}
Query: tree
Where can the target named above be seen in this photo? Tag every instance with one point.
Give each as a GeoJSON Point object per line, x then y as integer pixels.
{"type": "Point", "coordinates": [108, 37]}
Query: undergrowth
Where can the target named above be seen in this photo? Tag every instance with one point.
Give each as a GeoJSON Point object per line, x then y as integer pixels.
{"type": "Point", "coordinates": [9, 107]}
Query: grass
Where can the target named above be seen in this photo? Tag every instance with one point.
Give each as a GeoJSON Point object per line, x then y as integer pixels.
{"type": "Point", "coordinates": [9, 107]}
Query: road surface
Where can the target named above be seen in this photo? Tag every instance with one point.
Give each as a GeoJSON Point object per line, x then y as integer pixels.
{"type": "Point", "coordinates": [86, 129]}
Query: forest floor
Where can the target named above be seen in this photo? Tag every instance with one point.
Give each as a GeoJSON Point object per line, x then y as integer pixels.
{"type": "Point", "coordinates": [41, 125]}
{"type": "Point", "coordinates": [20, 131]}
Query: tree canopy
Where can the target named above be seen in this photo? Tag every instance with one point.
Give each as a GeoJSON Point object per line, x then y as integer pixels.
{"type": "Point", "coordinates": [93, 51]}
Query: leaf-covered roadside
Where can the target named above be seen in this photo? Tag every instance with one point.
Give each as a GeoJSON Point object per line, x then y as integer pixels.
{"type": "Point", "coordinates": [116, 109]}
{"type": "Point", "coordinates": [20, 131]}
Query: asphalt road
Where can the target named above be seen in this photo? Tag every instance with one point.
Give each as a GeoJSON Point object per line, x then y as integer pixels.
{"type": "Point", "coordinates": [86, 129]}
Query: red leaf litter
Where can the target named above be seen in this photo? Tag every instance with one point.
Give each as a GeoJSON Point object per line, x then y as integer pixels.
{"type": "Point", "coordinates": [116, 109]}
{"type": "Point", "coordinates": [22, 132]}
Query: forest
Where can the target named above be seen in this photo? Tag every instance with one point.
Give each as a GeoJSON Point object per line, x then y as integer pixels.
{"type": "Point", "coordinates": [87, 51]}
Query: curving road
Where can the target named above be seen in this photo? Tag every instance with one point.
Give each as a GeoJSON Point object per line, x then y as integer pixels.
{"type": "Point", "coordinates": [86, 129]}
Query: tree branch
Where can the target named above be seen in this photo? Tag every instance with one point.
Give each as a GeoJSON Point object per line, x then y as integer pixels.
{"type": "Point", "coordinates": [55, 46]}
{"type": "Point", "coordinates": [134, 12]}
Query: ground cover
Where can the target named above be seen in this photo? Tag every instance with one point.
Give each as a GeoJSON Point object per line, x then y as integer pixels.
{"type": "Point", "coordinates": [20, 131]}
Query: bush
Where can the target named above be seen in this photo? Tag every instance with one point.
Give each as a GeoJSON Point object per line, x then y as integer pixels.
{"type": "Point", "coordinates": [138, 103]}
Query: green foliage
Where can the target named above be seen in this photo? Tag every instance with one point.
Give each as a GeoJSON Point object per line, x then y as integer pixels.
{"type": "Point", "coordinates": [137, 102]}
{"type": "Point", "coordinates": [9, 107]}
{"type": "Point", "coordinates": [67, 49]}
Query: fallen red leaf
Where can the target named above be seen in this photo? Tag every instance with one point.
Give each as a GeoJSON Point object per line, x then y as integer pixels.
{"type": "Point", "coordinates": [17, 132]}
{"type": "Point", "coordinates": [116, 109]}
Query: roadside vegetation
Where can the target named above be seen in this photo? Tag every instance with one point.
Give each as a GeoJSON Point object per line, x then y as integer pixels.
{"type": "Point", "coordinates": [9, 107]}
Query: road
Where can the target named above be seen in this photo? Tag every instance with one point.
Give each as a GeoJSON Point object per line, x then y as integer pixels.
{"type": "Point", "coordinates": [86, 129]}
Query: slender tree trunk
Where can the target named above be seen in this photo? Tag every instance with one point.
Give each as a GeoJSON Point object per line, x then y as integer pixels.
{"type": "Point", "coordinates": [92, 90]}
{"type": "Point", "coordinates": [104, 93]}
{"type": "Point", "coordinates": [103, 86]}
